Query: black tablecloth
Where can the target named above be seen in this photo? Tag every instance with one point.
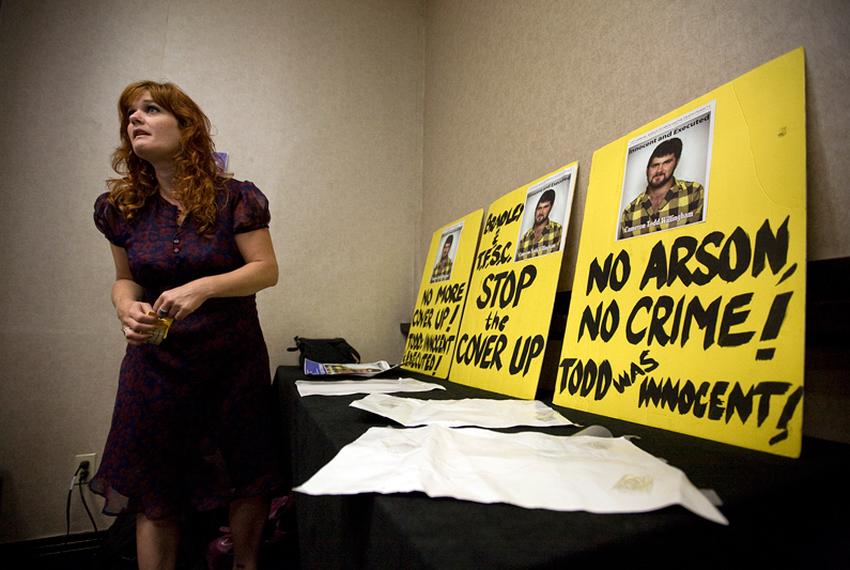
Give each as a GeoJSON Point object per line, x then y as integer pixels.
{"type": "Point", "coordinates": [784, 512]}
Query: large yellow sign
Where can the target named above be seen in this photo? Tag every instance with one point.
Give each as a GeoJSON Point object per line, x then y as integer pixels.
{"type": "Point", "coordinates": [442, 293]}
{"type": "Point", "coordinates": [688, 305]}
{"type": "Point", "coordinates": [502, 338]}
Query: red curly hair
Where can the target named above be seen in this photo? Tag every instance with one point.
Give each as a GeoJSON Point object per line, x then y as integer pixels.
{"type": "Point", "coordinates": [197, 176]}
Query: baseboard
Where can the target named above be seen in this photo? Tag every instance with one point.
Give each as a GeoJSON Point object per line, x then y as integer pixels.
{"type": "Point", "coordinates": [43, 551]}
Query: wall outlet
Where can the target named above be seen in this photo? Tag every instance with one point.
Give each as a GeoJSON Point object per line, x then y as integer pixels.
{"type": "Point", "coordinates": [79, 458]}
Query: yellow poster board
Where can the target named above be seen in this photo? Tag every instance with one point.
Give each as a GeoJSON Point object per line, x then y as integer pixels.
{"type": "Point", "coordinates": [442, 294]}
{"type": "Point", "coordinates": [688, 306]}
{"type": "Point", "coordinates": [502, 338]}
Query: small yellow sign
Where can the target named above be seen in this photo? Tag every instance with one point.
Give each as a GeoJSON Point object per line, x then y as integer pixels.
{"type": "Point", "coordinates": [688, 306]}
{"type": "Point", "coordinates": [502, 338]}
{"type": "Point", "coordinates": [442, 294]}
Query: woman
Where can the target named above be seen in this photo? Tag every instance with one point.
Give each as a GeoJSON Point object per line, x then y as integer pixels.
{"type": "Point", "coordinates": [191, 423]}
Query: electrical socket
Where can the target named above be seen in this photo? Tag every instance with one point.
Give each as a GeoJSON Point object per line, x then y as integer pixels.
{"type": "Point", "coordinates": [79, 458]}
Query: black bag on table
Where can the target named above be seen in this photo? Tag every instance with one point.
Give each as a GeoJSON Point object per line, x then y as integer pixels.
{"type": "Point", "coordinates": [325, 350]}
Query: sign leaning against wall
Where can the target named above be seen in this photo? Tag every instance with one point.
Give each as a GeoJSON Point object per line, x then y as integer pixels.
{"type": "Point", "coordinates": [441, 298]}
{"type": "Point", "coordinates": [504, 331]}
{"type": "Point", "coordinates": [688, 305]}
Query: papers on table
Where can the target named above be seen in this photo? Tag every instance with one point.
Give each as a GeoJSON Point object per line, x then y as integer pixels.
{"type": "Point", "coordinates": [373, 386]}
{"type": "Point", "coordinates": [531, 470]}
{"type": "Point", "coordinates": [468, 412]}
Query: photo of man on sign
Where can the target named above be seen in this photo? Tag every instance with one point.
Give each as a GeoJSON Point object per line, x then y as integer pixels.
{"type": "Point", "coordinates": [670, 191]}
{"type": "Point", "coordinates": [541, 231]}
{"type": "Point", "coordinates": [442, 270]}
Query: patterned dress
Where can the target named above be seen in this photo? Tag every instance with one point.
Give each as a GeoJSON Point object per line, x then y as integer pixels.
{"type": "Point", "coordinates": [192, 422]}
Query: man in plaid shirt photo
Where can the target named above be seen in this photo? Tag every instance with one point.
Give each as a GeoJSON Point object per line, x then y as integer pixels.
{"type": "Point", "coordinates": [545, 235]}
{"type": "Point", "coordinates": [667, 202]}
{"type": "Point", "coordinates": [443, 267]}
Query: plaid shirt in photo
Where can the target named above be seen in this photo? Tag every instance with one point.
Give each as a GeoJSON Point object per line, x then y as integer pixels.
{"type": "Point", "coordinates": [442, 270]}
{"type": "Point", "coordinates": [550, 240]}
{"type": "Point", "coordinates": [682, 205]}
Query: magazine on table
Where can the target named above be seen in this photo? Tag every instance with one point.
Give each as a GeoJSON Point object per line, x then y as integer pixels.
{"type": "Point", "coordinates": [361, 370]}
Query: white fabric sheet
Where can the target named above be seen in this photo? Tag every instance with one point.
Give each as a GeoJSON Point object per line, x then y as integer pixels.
{"type": "Point", "coordinates": [373, 386]}
{"type": "Point", "coordinates": [456, 413]}
{"type": "Point", "coordinates": [531, 470]}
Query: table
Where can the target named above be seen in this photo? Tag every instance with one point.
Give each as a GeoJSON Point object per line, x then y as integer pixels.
{"type": "Point", "coordinates": [782, 512]}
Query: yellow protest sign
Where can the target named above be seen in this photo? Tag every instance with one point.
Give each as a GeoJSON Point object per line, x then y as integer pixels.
{"type": "Point", "coordinates": [512, 290]}
{"type": "Point", "coordinates": [442, 293]}
{"type": "Point", "coordinates": [688, 305]}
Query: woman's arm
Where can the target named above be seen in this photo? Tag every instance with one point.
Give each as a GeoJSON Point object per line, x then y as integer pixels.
{"type": "Point", "coordinates": [259, 272]}
{"type": "Point", "coordinates": [126, 295]}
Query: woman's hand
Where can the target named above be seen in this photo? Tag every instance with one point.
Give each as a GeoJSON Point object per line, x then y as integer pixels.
{"type": "Point", "coordinates": [182, 301]}
{"type": "Point", "coordinates": [136, 323]}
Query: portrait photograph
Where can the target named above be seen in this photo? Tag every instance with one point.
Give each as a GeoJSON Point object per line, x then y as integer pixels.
{"type": "Point", "coordinates": [446, 252]}
{"type": "Point", "coordinates": [665, 183]}
{"type": "Point", "coordinates": [545, 217]}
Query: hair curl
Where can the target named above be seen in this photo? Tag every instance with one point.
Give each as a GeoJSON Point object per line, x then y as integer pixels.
{"type": "Point", "coordinates": [197, 176]}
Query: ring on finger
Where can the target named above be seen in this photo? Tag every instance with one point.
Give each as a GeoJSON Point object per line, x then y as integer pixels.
{"type": "Point", "coordinates": [163, 312]}
{"type": "Point", "coordinates": [126, 330]}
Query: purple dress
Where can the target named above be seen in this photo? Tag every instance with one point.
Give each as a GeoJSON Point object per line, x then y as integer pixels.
{"type": "Point", "coordinates": [192, 422]}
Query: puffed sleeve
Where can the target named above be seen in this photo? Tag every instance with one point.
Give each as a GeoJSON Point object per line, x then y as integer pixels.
{"type": "Point", "coordinates": [109, 221]}
{"type": "Point", "coordinates": [250, 208]}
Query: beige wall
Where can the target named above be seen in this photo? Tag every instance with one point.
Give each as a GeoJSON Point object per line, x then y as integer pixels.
{"type": "Point", "coordinates": [516, 89]}
{"type": "Point", "coordinates": [317, 101]}
{"type": "Point", "coordinates": [320, 102]}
